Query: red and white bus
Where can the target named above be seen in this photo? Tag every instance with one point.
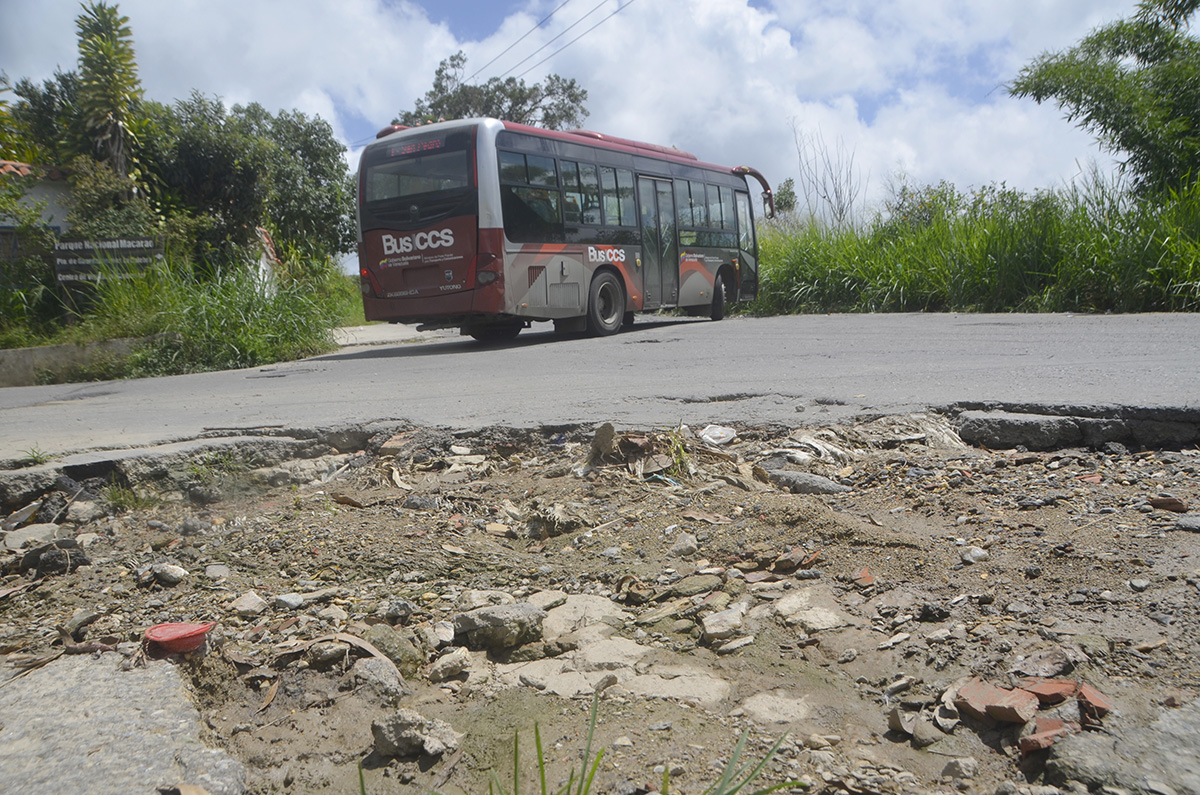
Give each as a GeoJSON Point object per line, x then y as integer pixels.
{"type": "Point", "coordinates": [488, 226]}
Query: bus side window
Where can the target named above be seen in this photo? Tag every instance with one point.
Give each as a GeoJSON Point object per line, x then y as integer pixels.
{"type": "Point", "coordinates": [531, 215]}
{"type": "Point", "coordinates": [745, 224]}
{"type": "Point", "coordinates": [720, 210]}
{"type": "Point", "coordinates": [683, 197]}
{"type": "Point", "coordinates": [589, 184]}
{"type": "Point", "coordinates": [542, 171]}
{"type": "Point", "coordinates": [512, 167]}
{"type": "Point", "coordinates": [572, 198]}
{"type": "Point", "coordinates": [699, 205]}
{"type": "Point", "coordinates": [727, 210]}
{"type": "Point", "coordinates": [533, 209]}
{"type": "Point", "coordinates": [618, 196]}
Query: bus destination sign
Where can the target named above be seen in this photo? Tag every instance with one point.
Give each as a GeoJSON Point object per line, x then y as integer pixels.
{"type": "Point", "coordinates": [416, 147]}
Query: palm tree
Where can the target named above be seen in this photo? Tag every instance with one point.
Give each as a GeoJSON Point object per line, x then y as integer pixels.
{"type": "Point", "coordinates": [109, 89]}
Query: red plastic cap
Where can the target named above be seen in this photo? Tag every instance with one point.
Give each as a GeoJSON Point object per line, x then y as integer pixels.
{"type": "Point", "coordinates": [179, 637]}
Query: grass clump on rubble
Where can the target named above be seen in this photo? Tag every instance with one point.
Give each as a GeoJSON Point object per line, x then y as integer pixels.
{"type": "Point", "coordinates": [736, 776]}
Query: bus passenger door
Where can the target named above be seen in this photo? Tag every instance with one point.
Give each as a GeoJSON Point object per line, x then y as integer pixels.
{"type": "Point", "coordinates": [660, 251]}
{"type": "Point", "coordinates": [747, 249]}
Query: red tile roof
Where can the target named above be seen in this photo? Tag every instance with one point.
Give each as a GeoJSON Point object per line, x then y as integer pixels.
{"type": "Point", "coordinates": [14, 168]}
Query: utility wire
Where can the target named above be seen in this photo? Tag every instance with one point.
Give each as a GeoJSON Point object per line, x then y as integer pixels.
{"type": "Point", "coordinates": [515, 43]}
{"type": "Point", "coordinates": [572, 41]}
{"type": "Point", "coordinates": [556, 38]}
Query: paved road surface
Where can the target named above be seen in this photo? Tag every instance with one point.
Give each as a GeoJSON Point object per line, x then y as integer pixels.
{"type": "Point", "coordinates": [791, 370]}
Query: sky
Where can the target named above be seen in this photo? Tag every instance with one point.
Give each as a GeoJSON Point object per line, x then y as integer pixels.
{"type": "Point", "coordinates": [891, 91]}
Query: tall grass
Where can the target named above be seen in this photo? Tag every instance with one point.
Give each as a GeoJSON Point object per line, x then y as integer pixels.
{"type": "Point", "coordinates": [1089, 248]}
{"type": "Point", "coordinates": [234, 320]}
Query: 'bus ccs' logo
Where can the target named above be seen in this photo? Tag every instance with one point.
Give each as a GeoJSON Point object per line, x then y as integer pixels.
{"type": "Point", "coordinates": [418, 242]}
{"type": "Point", "coordinates": [613, 255]}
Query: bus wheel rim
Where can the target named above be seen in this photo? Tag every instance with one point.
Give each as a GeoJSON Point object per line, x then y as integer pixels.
{"type": "Point", "coordinates": [607, 299]}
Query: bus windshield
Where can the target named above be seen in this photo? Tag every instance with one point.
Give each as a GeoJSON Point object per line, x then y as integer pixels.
{"type": "Point", "coordinates": [408, 183]}
{"type": "Point", "coordinates": [410, 175]}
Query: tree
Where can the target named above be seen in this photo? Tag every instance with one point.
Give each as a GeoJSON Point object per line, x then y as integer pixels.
{"type": "Point", "coordinates": [219, 173]}
{"type": "Point", "coordinates": [104, 205]}
{"type": "Point", "coordinates": [46, 121]}
{"type": "Point", "coordinates": [1135, 85]}
{"type": "Point", "coordinates": [830, 185]}
{"type": "Point", "coordinates": [109, 88]}
{"type": "Point", "coordinates": [309, 189]}
{"type": "Point", "coordinates": [203, 176]}
{"type": "Point", "coordinates": [10, 136]}
{"type": "Point", "coordinates": [556, 104]}
{"type": "Point", "coordinates": [27, 301]}
{"type": "Point", "coordinates": [785, 196]}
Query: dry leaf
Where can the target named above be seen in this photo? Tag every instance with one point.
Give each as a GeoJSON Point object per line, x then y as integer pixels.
{"type": "Point", "coordinates": [398, 481]}
{"type": "Point", "coordinates": [6, 592]}
{"type": "Point", "coordinates": [270, 697]}
{"type": "Point", "coordinates": [342, 499]}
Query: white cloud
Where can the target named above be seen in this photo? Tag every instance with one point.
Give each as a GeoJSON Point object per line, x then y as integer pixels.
{"type": "Point", "coordinates": [915, 85]}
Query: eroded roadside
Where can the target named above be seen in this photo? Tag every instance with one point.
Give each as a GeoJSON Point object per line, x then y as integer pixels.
{"type": "Point", "coordinates": [409, 597]}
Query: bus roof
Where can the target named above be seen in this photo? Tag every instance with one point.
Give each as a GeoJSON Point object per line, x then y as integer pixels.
{"type": "Point", "coordinates": [614, 143]}
{"type": "Point", "coordinates": [585, 137]}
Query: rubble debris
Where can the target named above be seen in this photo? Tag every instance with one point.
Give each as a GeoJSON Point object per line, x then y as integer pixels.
{"type": "Point", "coordinates": [805, 482]}
{"type": "Point", "coordinates": [407, 733]}
{"type": "Point", "coordinates": [500, 627]}
{"type": "Point", "coordinates": [669, 575]}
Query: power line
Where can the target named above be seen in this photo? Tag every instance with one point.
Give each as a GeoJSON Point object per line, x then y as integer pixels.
{"type": "Point", "coordinates": [515, 43]}
{"type": "Point", "coordinates": [556, 38]}
{"type": "Point", "coordinates": [572, 41]}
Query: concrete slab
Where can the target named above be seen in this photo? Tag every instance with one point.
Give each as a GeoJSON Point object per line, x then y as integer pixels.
{"type": "Point", "coordinates": [80, 724]}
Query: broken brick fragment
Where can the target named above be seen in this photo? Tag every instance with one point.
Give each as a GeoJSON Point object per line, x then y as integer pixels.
{"type": "Point", "coordinates": [789, 561]}
{"type": "Point", "coordinates": [973, 698]}
{"type": "Point", "coordinates": [1013, 706]}
{"type": "Point", "coordinates": [864, 578]}
{"type": "Point", "coordinates": [988, 702]}
{"type": "Point", "coordinates": [1093, 702]}
{"type": "Point", "coordinates": [1046, 731]}
{"type": "Point", "coordinates": [1050, 691]}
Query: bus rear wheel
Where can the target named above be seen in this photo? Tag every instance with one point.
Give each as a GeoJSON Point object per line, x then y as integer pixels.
{"type": "Point", "coordinates": [495, 332]}
{"type": "Point", "coordinates": [606, 305]}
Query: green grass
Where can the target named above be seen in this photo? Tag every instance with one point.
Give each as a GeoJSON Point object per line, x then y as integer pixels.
{"type": "Point", "coordinates": [231, 321]}
{"type": "Point", "coordinates": [35, 455]}
{"type": "Point", "coordinates": [736, 776]}
{"type": "Point", "coordinates": [1083, 249]}
{"type": "Point", "coordinates": [123, 499]}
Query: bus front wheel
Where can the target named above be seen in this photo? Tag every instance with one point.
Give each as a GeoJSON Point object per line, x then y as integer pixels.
{"type": "Point", "coordinates": [717, 310]}
{"type": "Point", "coordinates": [606, 305]}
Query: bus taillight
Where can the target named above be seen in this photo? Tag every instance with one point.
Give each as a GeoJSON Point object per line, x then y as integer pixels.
{"type": "Point", "coordinates": [489, 256]}
{"type": "Point", "coordinates": [370, 282]}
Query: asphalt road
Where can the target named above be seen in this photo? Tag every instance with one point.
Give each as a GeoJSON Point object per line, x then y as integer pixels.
{"type": "Point", "coordinates": [789, 370]}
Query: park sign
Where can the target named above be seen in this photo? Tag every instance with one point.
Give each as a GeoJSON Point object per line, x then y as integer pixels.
{"type": "Point", "coordinates": [87, 261]}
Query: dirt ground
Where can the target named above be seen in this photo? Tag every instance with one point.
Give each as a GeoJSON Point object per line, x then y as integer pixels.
{"type": "Point", "coordinates": [1077, 553]}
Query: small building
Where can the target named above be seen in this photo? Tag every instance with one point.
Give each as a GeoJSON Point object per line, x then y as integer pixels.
{"type": "Point", "coordinates": [50, 186]}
